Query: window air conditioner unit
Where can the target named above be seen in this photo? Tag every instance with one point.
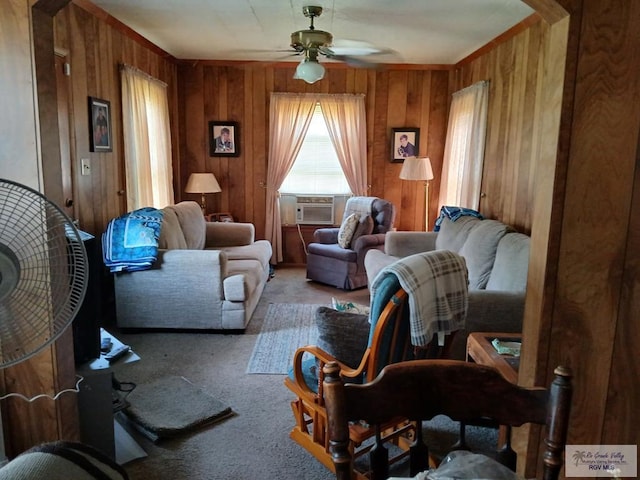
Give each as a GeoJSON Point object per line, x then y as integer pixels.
{"type": "Point", "coordinates": [317, 210]}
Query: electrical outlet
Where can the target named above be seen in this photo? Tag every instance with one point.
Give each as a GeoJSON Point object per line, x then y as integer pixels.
{"type": "Point", "coordinates": [86, 166]}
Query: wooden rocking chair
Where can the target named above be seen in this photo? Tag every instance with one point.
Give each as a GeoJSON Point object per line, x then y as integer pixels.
{"type": "Point", "coordinates": [463, 391]}
{"type": "Point", "coordinates": [389, 342]}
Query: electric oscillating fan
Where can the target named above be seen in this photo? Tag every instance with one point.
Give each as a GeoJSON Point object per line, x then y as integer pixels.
{"type": "Point", "coordinates": [43, 272]}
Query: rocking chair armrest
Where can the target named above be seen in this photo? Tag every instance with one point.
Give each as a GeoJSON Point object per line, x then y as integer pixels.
{"type": "Point", "coordinates": [323, 358]}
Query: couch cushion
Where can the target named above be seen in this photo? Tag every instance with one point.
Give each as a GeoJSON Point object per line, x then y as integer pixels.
{"type": "Point", "coordinates": [511, 265]}
{"type": "Point", "coordinates": [343, 335]}
{"type": "Point", "coordinates": [333, 251]}
{"type": "Point", "coordinates": [479, 250]}
{"type": "Point", "coordinates": [171, 236]}
{"type": "Point", "coordinates": [193, 224]}
{"type": "Point", "coordinates": [452, 235]}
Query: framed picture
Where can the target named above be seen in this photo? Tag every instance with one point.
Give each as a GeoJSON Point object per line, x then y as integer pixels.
{"type": "Point", "coordinates": [405, 142]}
{"type": "Point", "coordinates": [100, 137]}
{"type": "Point", "coordinates": [224, 139]}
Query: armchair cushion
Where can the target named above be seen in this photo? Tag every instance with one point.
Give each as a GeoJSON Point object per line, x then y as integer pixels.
{"type": "Point", "coordinates": [364, 227]}
{"type": "Point", "coordinates": [347, 229]}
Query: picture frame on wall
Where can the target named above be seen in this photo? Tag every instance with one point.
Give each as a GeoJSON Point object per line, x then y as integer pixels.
{"type": "Point", "coordinates": [405, 142]}
{"type": "Point", "coordinates": [100, 139]}
{"type": "Point", "coordinates": [100, 132]}
{"type": "Point", "coordinates": [224, 139]}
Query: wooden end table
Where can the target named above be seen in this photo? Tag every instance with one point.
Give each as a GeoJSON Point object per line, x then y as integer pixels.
{"type": "Point", "coordinates": [480, 350]}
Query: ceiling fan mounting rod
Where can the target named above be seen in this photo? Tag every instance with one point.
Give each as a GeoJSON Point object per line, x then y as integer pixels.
{"type": "Point", "coordinates": [311, 12]}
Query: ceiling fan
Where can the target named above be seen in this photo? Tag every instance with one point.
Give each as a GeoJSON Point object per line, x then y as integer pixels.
{"type": "Point", "coordinates": [312, 42]}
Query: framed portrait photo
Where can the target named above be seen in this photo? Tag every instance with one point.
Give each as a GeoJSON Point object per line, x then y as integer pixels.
{"type": "Point", "coordinates": [100, 135]}
{"type": "Point", "coordinates": [405, 142]}
{"type": "Point", "coordinates": [224, 139]}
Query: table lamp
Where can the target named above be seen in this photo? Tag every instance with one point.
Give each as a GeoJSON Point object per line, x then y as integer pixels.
{"type": "Point", "coordinates": [419, 168]}
{"type": "Point", "coordinates": [202, 183]}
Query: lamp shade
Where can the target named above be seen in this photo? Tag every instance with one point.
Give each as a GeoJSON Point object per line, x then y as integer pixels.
{"type": "Point", "coordinates": [415, 168]}
{"type": "Point", "coordinates": [309, 70]}
{"type": "Point", "coordinates": [202, 183]}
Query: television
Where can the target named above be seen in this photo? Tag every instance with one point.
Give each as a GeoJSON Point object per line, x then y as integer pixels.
{"type": "Point", "coordinates": [87, 322]}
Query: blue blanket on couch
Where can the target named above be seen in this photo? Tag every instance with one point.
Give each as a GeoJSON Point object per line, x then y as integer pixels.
{"type": "Point", "coordinates": [130, 242]}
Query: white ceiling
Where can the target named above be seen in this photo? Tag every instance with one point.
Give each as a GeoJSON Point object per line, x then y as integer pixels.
{"type": "Point", "coordinates": [419, 31]}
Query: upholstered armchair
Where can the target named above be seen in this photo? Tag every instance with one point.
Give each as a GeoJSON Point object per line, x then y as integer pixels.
{"type": "Point", "coordinates": [336, 255]}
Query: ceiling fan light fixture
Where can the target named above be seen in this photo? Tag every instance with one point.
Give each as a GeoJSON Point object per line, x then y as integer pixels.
{"type": "Point", "coordinates": [309, 70]}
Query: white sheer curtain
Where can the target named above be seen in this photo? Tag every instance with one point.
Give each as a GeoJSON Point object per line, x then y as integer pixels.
{"type": "Point", "coordinates": [464, 148]}
{"type": "Point", "coordinates": [147, 140]}
{"type": "Point", "coordinates": [289, 118]}
{"type": "Point", "coordinates": [347, 124]}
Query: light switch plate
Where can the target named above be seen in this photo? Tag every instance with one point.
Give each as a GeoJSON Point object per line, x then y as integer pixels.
{"type": "Point", "coordinates": [86, 166]}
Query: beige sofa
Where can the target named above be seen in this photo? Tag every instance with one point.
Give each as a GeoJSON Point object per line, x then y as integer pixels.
{"type": "Point", "coordinates": [208, 275]}
{"type": "Point", "coordinates": [497, 258]}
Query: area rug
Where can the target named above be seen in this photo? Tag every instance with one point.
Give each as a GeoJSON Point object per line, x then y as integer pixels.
{"type": "Point", "coordinates": [171, 406]}
{"type": "Point", "coordinates": [286, 327]}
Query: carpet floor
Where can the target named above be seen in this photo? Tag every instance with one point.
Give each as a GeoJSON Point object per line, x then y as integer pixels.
{"type": "Point", "coordinates": [254, 443]}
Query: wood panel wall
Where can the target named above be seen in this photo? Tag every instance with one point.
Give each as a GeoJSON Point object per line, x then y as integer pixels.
{"type": "Point", "coordinates": [240, 93]}
{"type": "Point", "coordinates": [95, 50]}
{"type": "Point", "coordinates": [514, 69]}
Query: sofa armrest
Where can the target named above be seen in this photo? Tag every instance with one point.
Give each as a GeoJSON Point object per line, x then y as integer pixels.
{"type": "Point", "coordinates": [403, 244]}
{"type": "Point", "coordinates": [490, 311]}
{"type": "Point", "coordinates": [229, 234]}
{"type": "Point", "coordinates": [326, 235]}
{"type": "Point", "coordinates": [374, 261]}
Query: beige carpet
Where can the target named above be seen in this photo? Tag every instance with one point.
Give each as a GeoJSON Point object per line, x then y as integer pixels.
{"type": "Point", "coordinates": [286, 327]}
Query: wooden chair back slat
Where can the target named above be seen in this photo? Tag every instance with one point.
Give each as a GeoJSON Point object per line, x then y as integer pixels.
{"type": "Point", "coordinates": [421, 389]}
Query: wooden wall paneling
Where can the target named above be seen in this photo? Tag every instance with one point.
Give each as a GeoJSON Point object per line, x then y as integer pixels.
{"type": "Point", "coordinates": [396, 117]}
{"type": "Point", "coordinates": [195, 128]}
{"type": "Point", "coordinates": [624, 384]}
{"type": "Point", "coordinates": [368, 87]}
{"type": "Point", "coordinates": [597, 212]}
{"type": "Point", "coordinates": [250, 185]}
{"type": "Point", "coordinates": [237, 174]}
{"type": "Point", "coordinates": [436, 135]}
{"type": "Point", "coordinates": [379, 143]}
{"type": "Point", "coordinates": [259, 150]}
{"type": "Point", "coordinates": [412, 198]}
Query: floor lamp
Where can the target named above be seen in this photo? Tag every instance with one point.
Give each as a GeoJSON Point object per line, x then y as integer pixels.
{"type": "Point", "coordinates": [419, 168]}
{"type": "Point", "coordinates": [202, 183]}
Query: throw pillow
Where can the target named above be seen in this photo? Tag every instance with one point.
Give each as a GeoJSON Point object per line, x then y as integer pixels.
{"type": "Point", "coordinates": [364, 227]}
{"type": "Point", "coordinates": [343, 335]}
{"type": "Point", "coordinates": [347, 228]}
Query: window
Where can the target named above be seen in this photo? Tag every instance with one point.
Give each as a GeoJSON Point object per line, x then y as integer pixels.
{"type": "Point", "coordinates": [316, 169]}
{"type": "Point", "coordinates": [147, 140]}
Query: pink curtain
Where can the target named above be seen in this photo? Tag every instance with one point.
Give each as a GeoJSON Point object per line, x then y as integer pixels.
{"type": "Point", "coordinates": [346, 121]}
{"type": "Point", "coordinates": [289, 119]}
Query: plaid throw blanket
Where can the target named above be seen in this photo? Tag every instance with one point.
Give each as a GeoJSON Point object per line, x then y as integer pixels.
{"type": "Point", "coordinates": [360, 205]}
{"type": "Point", "coordinates": [437, 285]}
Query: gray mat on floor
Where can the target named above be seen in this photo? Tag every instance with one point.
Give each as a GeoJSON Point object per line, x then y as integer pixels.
{"type": "Point", "coordinates": [171, 406]}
